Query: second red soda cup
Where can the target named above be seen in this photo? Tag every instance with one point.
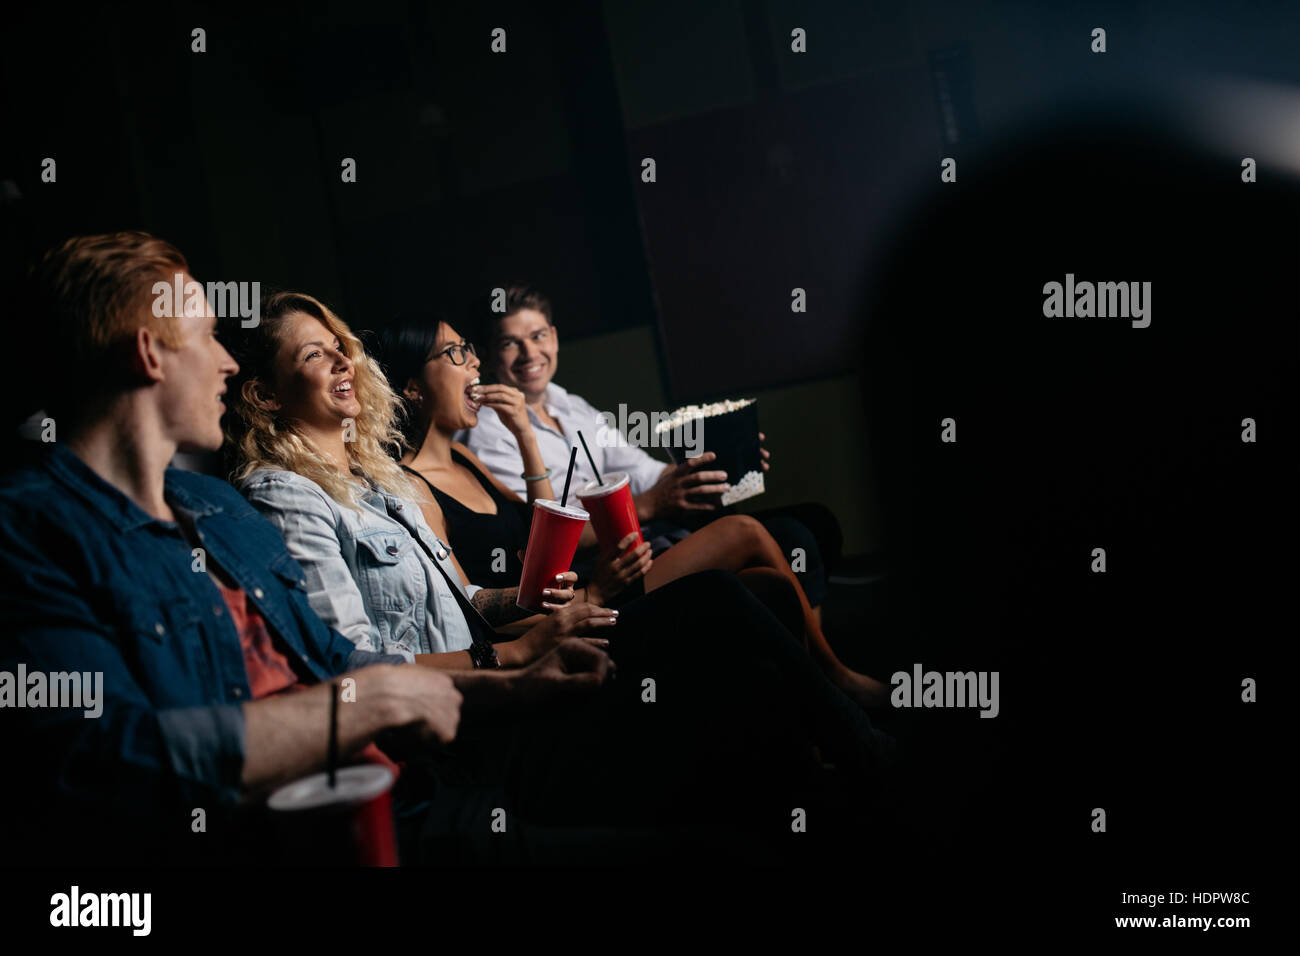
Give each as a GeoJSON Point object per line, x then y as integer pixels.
{"type": "Point", "coordinates": [552, 541]}
{"type": "Point", "coordinates": [613, 512]}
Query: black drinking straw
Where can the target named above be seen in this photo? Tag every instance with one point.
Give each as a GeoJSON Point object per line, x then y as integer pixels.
{"type": "Point", "coordinates": [573, 454]}
{"type": "Point", "coordinates": [589, 458]}
{"type": "Point", "coordinates": [334, 733]}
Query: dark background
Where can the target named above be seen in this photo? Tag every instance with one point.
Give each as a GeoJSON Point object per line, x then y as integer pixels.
{"type": "Point", "coordinates": [776, 170]}
{"type": "Point", "coordinates": [821, 171]}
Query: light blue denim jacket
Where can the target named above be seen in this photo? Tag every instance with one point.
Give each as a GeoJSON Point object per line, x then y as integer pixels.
{"type": "Point", "coordinates": [367, 575]}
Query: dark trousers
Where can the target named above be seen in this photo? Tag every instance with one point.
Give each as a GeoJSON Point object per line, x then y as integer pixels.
{"type": "Point", "coordinates": [712, 766]}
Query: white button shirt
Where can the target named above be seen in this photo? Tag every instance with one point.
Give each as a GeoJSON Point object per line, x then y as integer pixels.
{"type": "Point", "coordinates": [492, 442]}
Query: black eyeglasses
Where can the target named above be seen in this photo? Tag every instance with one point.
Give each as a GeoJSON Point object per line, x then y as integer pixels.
{"type": "Point", "coordinates": [459, 353]}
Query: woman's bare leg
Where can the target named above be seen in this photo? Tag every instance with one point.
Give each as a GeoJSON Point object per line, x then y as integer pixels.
{"type": "Point", "coordinates": [737, 542]}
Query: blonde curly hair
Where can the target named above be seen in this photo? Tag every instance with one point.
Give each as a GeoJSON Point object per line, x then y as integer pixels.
{"type": "Point", "coordinates": [267, 439]}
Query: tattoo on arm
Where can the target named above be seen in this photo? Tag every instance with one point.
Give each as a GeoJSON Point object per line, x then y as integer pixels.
{"type": "Point", "coordinates": [498, 606]}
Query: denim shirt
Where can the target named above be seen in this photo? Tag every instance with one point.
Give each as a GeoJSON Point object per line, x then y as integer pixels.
{"type": "Point", "coordinates": [367, 574]}
{"type": "Point", "coordinates": [91, 583]}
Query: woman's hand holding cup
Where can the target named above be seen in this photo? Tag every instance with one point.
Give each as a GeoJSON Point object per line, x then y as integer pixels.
{"type": "Point", "coordinates": [561, 592]}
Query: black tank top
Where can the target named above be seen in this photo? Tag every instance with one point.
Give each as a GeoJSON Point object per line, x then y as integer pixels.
{"type": "Point", "coordinates": [474, 536]}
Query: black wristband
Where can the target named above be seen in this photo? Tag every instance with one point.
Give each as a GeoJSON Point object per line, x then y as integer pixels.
{"type": "Point", "coordinates": [484, 655]}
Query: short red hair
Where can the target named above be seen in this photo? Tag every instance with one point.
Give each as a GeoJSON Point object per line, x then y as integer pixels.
{"type": "Point", "coordinates": [94, 292]}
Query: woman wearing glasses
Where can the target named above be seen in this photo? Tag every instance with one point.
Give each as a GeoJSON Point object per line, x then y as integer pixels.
{"type": "Point", "coordinates": [437, 373]}
{"type": "Point", "coordinates": [488, 518]}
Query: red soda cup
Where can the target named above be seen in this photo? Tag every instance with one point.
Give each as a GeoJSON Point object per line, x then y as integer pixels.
{"type": "Point", "coordinates": [552, 541]}
{"type": "Point", "coordinates": [349, 824]}
{"type": "Point", "coordinates": [612, 510]}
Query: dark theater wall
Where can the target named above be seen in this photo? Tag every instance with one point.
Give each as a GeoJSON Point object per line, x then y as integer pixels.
{"type": "Point", "coordinates": [472, 169]}
{"type": "Point", "coordinates": [775, 170]}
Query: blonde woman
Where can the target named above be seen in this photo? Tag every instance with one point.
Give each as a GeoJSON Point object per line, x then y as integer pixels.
{"type": "Point", "coordinates": [313, 438]}
{"type": "Point", "coordinates": [438, 375]}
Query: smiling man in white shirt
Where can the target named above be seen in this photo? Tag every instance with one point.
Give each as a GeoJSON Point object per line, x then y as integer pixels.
{"type": "Point", "coordinates": [524, 354]}
{"type": "Point", "coordinates": [522, 350]}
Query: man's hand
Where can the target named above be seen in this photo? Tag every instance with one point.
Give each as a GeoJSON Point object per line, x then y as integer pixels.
{"type": "Point", "coordinates": [403, 705]}
{"type": "Point", "coordinates": [766, 454]}
{"type": "Point", "coordinates": [421, 699]}
{"type": "Point", "coordinates": [616, 572]}
{"type": "Point", "coordinates": [677, 483]}
{"type": "Point", "coordinates": [571, 665]}
{"type": "Point", "coordinates": [579, 619]}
